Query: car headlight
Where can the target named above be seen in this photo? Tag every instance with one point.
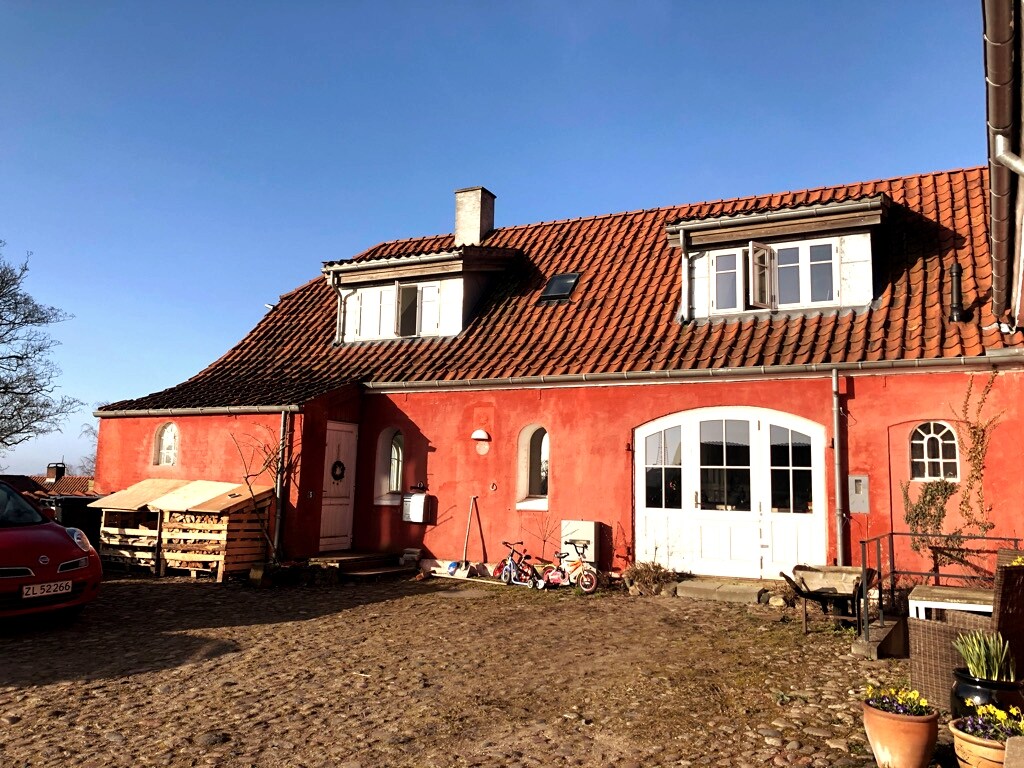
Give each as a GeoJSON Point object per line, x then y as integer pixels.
{"type": "Point", "coordinates": [79, 537]}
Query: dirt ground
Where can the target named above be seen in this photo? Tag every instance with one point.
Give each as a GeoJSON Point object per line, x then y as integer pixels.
{"type": "Point", "coordinates": [172, 672]}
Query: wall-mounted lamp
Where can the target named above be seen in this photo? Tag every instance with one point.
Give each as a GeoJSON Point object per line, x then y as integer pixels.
{"type": "Point", "coordinates": [480, 434]}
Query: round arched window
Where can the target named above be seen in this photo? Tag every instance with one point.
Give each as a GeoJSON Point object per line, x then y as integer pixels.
{"type": "Point", "coordinates": [933, 452]}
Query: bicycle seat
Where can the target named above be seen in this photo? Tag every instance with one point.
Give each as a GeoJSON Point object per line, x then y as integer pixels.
{"type": "Point", "coordinates": [527, 557]}
{"type": "Point", "coordinates": [561, 555]}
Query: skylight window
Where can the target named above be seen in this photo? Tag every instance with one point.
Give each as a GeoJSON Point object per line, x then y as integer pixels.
{"type": "Point", "coordinates": [560, 287]}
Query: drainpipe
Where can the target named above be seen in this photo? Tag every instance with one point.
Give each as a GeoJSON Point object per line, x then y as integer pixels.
{"type": "Point", "coordinates": [279, 482]}
{"type": "Point", "coordinates": [837, 465]}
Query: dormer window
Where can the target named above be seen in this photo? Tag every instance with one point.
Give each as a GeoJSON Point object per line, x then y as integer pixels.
{"type": "Point", "coordinates": [804, 257]}
{"type": "Point", "coordinates": [788, 275]}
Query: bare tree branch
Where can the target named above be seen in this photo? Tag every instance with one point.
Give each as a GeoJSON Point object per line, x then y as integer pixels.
{"type": "Point", "coordinates": [29, 406]}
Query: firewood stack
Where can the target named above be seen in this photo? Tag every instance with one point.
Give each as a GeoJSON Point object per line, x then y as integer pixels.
{"type": "Point", "coordinates": [200, 526]}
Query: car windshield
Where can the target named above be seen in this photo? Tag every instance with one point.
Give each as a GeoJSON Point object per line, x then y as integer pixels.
{"type": "Point", "coordinates": [15, 511]}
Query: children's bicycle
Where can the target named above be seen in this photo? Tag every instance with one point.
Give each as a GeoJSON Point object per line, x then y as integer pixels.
{"type": "Point", "coordinates": [516, 568]}
{"type": "Point", "coordinates": [579, 572]}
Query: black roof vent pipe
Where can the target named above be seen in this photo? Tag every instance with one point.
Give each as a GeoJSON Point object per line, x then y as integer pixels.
{"type": "Point", "coordinates": [956, 300]}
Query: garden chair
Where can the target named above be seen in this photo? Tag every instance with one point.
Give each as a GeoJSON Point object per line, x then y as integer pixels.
{"type": "Point", "coordinates": [932, 656]}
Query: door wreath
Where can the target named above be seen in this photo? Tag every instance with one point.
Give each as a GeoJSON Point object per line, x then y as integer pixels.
{"type": "Point", "coordinates": [338, 471]}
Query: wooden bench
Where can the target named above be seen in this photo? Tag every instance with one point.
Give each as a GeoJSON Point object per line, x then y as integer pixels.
{"type": "Point", "coordinates": [923, 597]}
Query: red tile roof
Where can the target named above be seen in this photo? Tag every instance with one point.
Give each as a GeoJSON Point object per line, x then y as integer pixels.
{"type": "Point", "coordinates": [621, 315]}
{"type": "Point", "coordinates": [69, 485]}
{"type": "Point", "coordinates": [37, 487]}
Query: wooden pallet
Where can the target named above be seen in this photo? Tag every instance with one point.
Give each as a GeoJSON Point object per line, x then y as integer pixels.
{"type": "Point", "coordinates": [130, 537]}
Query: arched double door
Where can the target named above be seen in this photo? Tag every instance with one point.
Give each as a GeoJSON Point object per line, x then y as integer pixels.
{"type": "Point", "coordinates": [730, 491]}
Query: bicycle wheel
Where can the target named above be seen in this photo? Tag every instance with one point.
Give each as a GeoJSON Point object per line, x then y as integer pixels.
{"type": "Point", "coordinates": [551, 576]}
{"type": "Point", "coordinates": [587, 582]}
{"type": "Point", "coordinates": [506, 574]}
{"type": "Point", "coordinates": [527, 574]}
{"type": "Point", "coordinates": [498, 569]}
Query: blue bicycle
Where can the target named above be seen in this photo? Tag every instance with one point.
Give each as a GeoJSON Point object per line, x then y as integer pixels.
{"type": "Point", "coordinates": [516, 568]}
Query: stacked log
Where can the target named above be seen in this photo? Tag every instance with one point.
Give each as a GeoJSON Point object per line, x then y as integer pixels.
{"type": "Point", "coordinates": [216, 543]}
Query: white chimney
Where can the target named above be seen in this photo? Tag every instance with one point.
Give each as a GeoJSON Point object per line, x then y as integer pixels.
{"type": "Point", "coordinates": [474, 215]}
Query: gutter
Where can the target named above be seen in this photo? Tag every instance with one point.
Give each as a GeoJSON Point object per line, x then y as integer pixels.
{"type": "Point", "coordinates": [227, 410]}
{"type": "Point", "coordinates": [333, 267]}
{"type": "Point", "coordinates": [995, 359]}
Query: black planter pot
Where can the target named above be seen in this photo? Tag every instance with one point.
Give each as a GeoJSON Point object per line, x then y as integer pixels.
{"type": "Point", "coordinates": [981, 692]}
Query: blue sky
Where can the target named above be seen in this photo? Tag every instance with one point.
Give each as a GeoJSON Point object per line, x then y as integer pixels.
{"type": "Point", "coordinates": [175, 166]}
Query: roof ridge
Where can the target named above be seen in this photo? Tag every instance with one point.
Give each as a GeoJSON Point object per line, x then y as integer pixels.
{"type": "Point", "coordinates": [676, 206]}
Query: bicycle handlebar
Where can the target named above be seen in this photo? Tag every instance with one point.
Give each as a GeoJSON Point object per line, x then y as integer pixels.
{"type": "Point", "coordinates": [512, 544]}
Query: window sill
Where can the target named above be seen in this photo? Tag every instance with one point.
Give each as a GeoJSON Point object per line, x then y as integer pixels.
{"type": "Point", "coordinates": [391, 499]}
{"type": "Point", "coordinates": [535, 503]}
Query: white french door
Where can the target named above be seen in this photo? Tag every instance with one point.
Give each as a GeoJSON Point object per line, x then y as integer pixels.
{"type": "Point", "coordinates": [731, 491]}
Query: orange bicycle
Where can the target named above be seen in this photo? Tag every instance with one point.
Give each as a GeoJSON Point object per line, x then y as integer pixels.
{"type": "Point", "coordinates": [580, 572]}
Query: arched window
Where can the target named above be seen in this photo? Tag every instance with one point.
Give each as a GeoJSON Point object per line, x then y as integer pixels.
{"type": "Point", "coordinates": [390, 470]}
{"type": "Point", "coordinates": [933, 452]}
{"type": "Point", "coordinates": [395, 475]}
{"type": "Point", "coordinates": [533, 467]}
{"type": "Point", "coordinates": [539, 463]}
{"type": "Point", "coordinates": [166, 446]}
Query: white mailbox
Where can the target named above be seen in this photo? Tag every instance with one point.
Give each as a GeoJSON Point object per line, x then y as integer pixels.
{"type": "Point", "coordinates": [414, 508]}
{"type": "Point", "coordinates": [580, 530]}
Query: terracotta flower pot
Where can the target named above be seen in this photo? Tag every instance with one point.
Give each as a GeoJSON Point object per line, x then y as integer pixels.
{"type": "Point", "coordinates": [972, 752]}
{"type": "Point", "coordinates": [901, 741]}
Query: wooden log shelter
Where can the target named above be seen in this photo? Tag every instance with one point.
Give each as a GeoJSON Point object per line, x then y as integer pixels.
{"type": "Point", "coordinates": [201, 526]}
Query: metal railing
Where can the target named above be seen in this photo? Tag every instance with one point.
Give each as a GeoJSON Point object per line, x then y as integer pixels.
{"type": "Point", "coordinates": [953, 550]}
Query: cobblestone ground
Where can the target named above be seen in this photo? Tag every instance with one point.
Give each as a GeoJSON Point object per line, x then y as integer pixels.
{"type": "Point", "coordinates": [435, 673]}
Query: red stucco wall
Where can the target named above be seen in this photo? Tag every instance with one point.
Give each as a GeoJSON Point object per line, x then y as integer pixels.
{"type": "Point", "coordinates": [591, 470]}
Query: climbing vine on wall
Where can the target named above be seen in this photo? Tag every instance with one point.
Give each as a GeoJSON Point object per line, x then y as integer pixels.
{"type": "Point", "coordinates": [926, 515]}
{"type": "Point", "coordinates": [975, 436]}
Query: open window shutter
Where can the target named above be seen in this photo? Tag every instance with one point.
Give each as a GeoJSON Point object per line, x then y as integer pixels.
{"type": "Point", "coordinates": [353, 316]}
{"type": "Point", "coordinates": [761, 275]}
{"type": "Point", "coordinates": [398, 309]}
{"type": "Point", "coordinates": [429, 310]}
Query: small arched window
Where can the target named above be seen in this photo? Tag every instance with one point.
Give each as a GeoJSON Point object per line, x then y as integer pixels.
{"type": "Point", "coordinates": [539, 463]}
{"type": "Point", "coordinates": [397, 452]}
{"type": "Point", "coordinates": [533, 468]}
{"type": "Point", "coordinates": [389, 472]}
{"type": "Point", "coordinates": [933, 452]}
{"type": "Point", "coordinates": [166, 448]}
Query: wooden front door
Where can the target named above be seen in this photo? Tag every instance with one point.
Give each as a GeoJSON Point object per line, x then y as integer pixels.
{"type": "Point", "coordinates": [339, 483]}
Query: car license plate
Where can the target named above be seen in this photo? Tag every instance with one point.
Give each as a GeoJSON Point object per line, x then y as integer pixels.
{"type": "Point", "coordinates": [42, 590]}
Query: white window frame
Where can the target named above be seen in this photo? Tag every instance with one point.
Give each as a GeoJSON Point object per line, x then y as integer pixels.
{"type": "Point", "coordinates": [919, 437]}
{"type": "Point", "coordinates": [386, 492]}
{"type": "Point", "coordinates": [758, 289]}
{"type": "Point", "coordinates": [428, 309]}
{"type": "Point", "coordinates": [533, 460]}
{"type": "Point", "coordinates": [741, 283]}
{"type": "Point", "coordinates": [165, 446]}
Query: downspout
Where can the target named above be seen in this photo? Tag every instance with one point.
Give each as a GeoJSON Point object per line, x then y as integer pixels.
{"type": "Point", "coordinates": [683, 314]}
{"type": "Point", "coordinates": [339, 331]}
{"type": "Point", "coordinates": [837, 465]}
{"type": "Point", "coordinates": [1002, 80]}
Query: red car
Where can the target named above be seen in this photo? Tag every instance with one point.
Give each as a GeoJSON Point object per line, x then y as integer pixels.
{"type": "Point", "coordinates": [43, 565]}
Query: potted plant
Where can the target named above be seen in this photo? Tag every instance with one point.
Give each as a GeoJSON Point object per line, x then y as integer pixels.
{"type": "Point", "coordinates": [979, 738]}
{"type": "Point", "coordinates": [990, 676]}
{"type": "Point", "coordinates": [901, 727]}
